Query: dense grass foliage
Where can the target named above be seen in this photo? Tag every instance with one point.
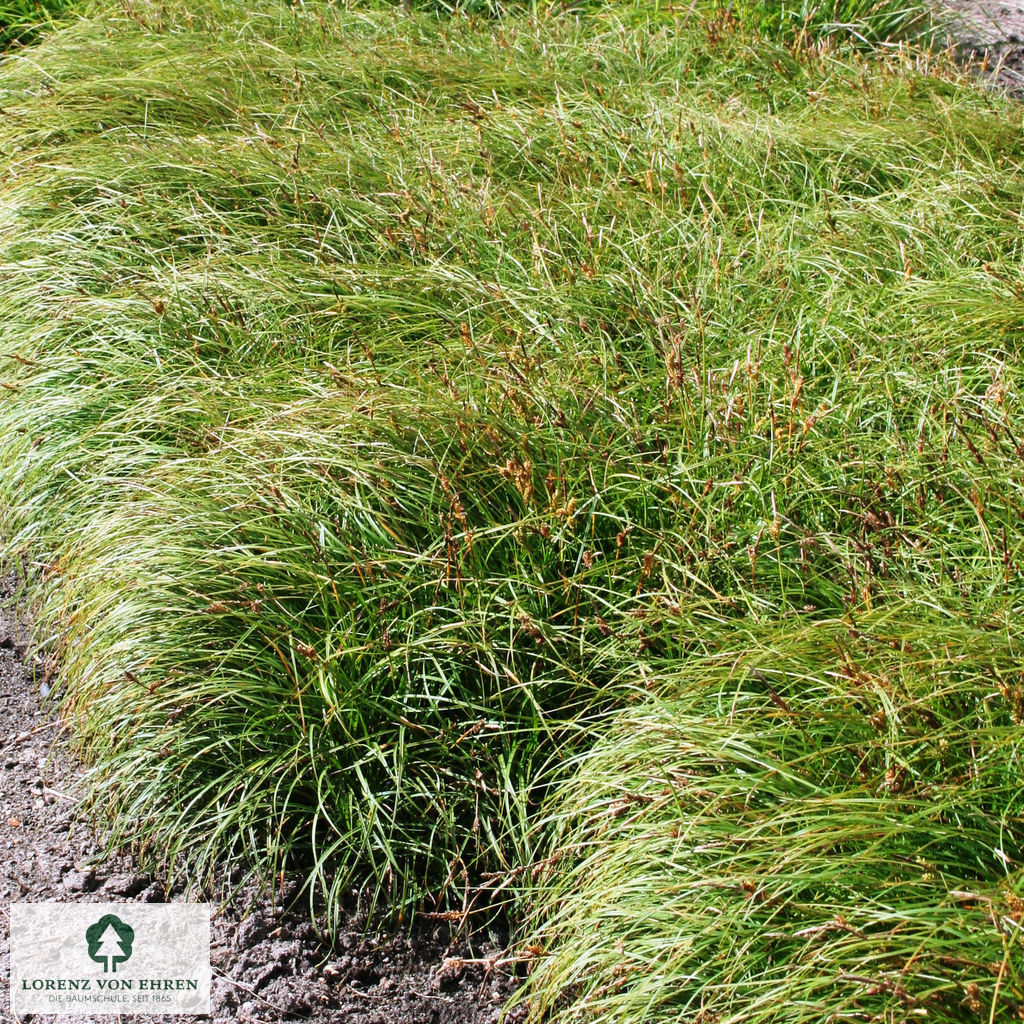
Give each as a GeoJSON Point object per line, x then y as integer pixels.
{"type": "Point", "coordinates": [394, 405]}
{"type": "Point", "coordinates": [823, 822]}
{"type": "Point", "coordinates": [22, 20]}
{"type": "Point", "coordinates": [863, 21]}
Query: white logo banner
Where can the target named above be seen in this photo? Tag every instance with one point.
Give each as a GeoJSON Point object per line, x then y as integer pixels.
{"type": "Point", "coordinates": [110, 958]}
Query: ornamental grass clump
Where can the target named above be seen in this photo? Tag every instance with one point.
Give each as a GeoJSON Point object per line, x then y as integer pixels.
{"type": "Point", "coordinates": [396, 405]}
{"type": "Point", "coordinates": [821, 823]}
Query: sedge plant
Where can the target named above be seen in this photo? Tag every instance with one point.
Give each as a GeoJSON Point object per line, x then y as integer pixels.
{"type": "Point", "coordinates": [395, 403]}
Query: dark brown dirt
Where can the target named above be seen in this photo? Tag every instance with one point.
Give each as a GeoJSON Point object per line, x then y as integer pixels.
{"type": "Point", "coordinates": [269, 965]}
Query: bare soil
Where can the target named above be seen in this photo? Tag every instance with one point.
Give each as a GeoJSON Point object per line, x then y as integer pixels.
{"type": "Point", "coordinates": [269, 964]}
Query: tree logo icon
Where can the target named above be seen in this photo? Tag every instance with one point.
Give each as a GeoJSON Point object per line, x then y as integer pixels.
{"type": "Point", "coordinates": [110, 942]}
